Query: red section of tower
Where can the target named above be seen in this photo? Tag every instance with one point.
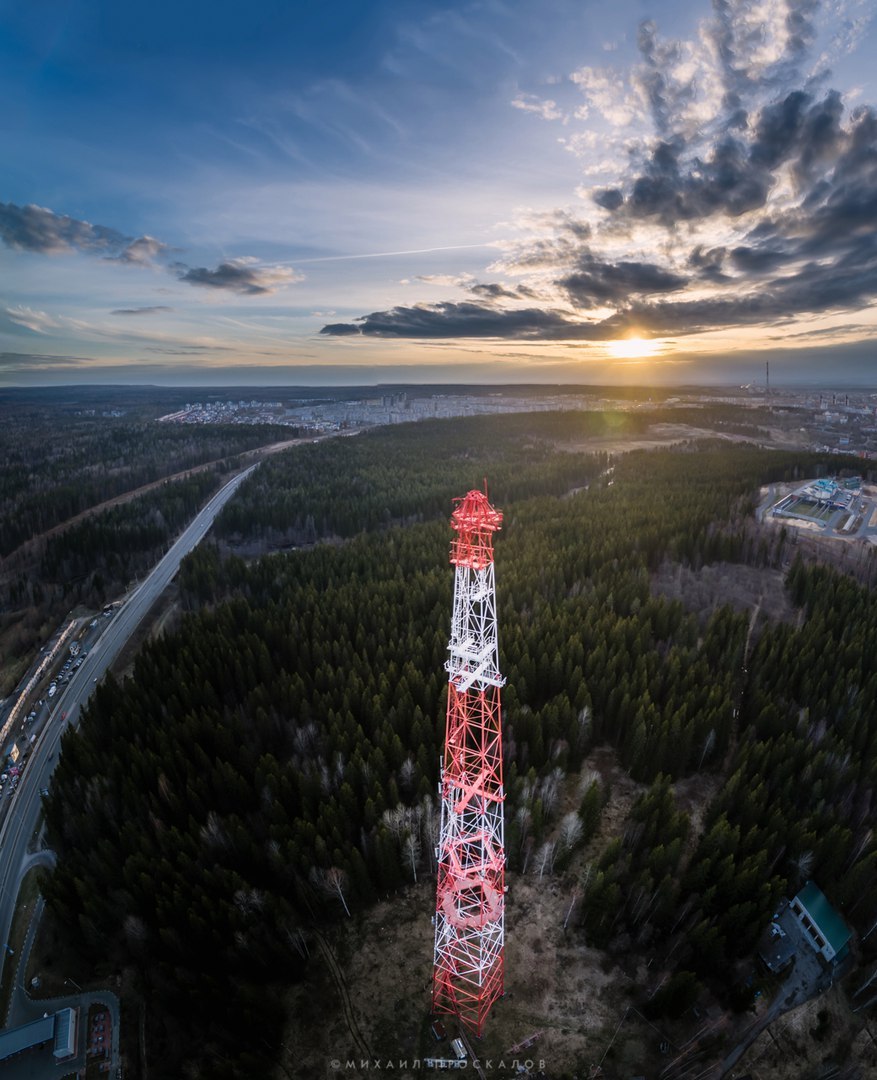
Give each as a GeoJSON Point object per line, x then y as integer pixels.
{"type": "Point", "coordinates": [470, 900]}
{"type": "Point", "coordinates": [475, 521]}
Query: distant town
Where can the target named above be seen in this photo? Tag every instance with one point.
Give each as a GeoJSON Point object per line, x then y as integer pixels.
{"type": "Point", "coordinates": [826, 421]}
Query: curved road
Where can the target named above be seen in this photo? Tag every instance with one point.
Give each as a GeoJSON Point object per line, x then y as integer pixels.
{"type": "Point", "coordinates": [23, 817]}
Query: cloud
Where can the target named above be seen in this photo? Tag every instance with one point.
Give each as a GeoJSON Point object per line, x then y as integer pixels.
{"type": "Point", "coordinates": [37, 229]}
{"type": "Point", "coordinates": [143, 251]}
{"type": "Point", "coordinates": [546, 108]}
{"type": "Point", "coordinates": [492, 291]}
{"type": "Point", "coordinates": [39, 322]}
{"type": "Point", "coordinates": [153, 310]}
{"type": "Point", "coordinates": [341, 329]}
{"type": "Point", "coordinates": [34, 228]}
{"type": "Point", "coordinates": [240, 276]}
{"type": "Point", "coordinates": [738, 172]}
{"type": "Point", "coordinates": [446, 279]}
{"type": "Point", "coordinates": [744, 194]}
{"type": "Point", "coordinates": [551, 239]}
{"type": "Point", "coordinates": [597, 282]}
{"type": "Point", "coordinates": [760, 45]}
{"type": "Point", "coordinates": [606, 95]}
{"type": "Point", "coordinates": [465, 320]}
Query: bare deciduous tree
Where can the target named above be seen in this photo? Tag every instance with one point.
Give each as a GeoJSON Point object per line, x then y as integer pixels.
{"type": "Point", "coordinates": [407, 772]}
{"type": "Point", "coordinates": [523, 817]}
{"type": "Point", "coordinates": [708, 745]}
{"type": "Point", "coordinates": [429, 827]}
{"type": "Point", "coordinates": [802, 865]}
{"type": "Point", "coordinates": [551, 791]}
{"type": "Point", "coordinates": [591, 776]}
{"type": "Point", "coordinates": [298, 941]}
{"type": "Point", "coordinates": [404, 823]}
{"type": "Point", "coordinates": [545, 859]}
{"type": "Point", "coordinates": [333, 882]}
{"type": "Point", "coordinates": [411, 847]}
{"type": "Point", "coordinates": [570, 832]}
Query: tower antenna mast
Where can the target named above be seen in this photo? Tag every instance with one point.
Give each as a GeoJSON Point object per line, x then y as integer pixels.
{"type": "Point", "coordinates": [468, 967]}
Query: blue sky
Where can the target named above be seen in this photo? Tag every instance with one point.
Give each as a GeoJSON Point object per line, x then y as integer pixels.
{"type": "Point", "coordinates": [291, 192]}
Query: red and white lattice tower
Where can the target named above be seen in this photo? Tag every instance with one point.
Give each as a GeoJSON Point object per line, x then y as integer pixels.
{"type": "Point", "coordinates": [470, 902]}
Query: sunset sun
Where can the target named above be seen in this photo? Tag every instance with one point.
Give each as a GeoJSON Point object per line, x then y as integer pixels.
{"type": "Point", "coordinates": [633, 348]}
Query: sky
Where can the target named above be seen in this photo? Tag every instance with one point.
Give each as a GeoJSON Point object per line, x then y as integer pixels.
{"type": "Point", "coordinates": [392, 190]}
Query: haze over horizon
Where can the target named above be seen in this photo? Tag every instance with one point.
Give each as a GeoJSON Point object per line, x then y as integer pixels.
{"type": "Point", "coordinates": [645, 192]}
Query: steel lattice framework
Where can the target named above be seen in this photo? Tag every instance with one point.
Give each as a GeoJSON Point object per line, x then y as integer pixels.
{"type": "Point", "coordinates": [470, 901]}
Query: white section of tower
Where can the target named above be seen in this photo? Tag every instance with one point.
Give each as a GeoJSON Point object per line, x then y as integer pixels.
{"type": "Point", "coordinates": [474, 646]}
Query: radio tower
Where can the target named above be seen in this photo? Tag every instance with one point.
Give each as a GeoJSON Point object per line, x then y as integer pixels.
{"type": "Point", "coordinates": [470, 900]}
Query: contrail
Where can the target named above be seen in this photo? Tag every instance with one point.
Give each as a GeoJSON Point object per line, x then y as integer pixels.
{"type": "Point", "coordinates": [387, 254]}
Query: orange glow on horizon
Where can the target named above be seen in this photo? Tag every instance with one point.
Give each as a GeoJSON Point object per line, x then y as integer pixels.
{"type": "Point", "coordinates": [633, 348]}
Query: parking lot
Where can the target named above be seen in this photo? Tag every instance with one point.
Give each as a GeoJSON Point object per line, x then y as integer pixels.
{"type": "Point", "coordinates": [98, 1036]}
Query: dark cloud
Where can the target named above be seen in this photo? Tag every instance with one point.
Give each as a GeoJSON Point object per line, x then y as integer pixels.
{"type": "Point", "coordinates": [34, 228]}
{"type": "Point", "coordinates": [833, 166]}
{"type": "Point", "coordinates": [154, 310]}
{"type": "Point", "coordinates": [608, 198]}
{"type": "Point", "coordinates": [37, 229]}
{"type": "Point", "coordinates": [340, 329]}
{"type": "Point", "coordinates": [799, 23]}
{"type": "Point", "coordinates": [664, 94]}
{"type": "Point", "coordinates": [756, 260]}
{"type": "Point", "coordinates": [239, 276]}
{"type": "Point", "coordinates": [142, 251]}
{"type": "Point", "coordinates": [596, 282]}
{"type": "Point", "coordinates": [796, 129]}
{"type": "Point", "coordinates": [764, 291]}
{"type": "Point", "coordinates": [778, 130]}
{"type": "Point", "coordinates": [675, 188]}
{"type": "Point", "coordinates": [708, 264]}
{"type": "Point", "coordinates": [809, 291]}
{"type": "Point", "coordinates": [449, 320]}
{"type": "Point", "coordinates": [495, 291]}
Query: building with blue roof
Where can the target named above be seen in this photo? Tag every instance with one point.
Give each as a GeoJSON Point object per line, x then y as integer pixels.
{"type": "Point", "coordinates": [27, 1037]}
{"type": "Point", "coordinates": [824, 928]}
{"type": "Point", "coordinates": [56, 1029]}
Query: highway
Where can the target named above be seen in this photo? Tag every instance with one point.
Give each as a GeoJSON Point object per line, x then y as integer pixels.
{"type": "Point", "coordinates": [23, 816]}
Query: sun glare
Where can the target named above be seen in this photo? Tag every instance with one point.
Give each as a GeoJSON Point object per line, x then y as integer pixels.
{"type": "Point", "coordinates": [633, 348]}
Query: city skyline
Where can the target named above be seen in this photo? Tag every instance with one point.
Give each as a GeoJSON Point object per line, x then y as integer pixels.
{"type": "Point", "coordinates": [652, 193]}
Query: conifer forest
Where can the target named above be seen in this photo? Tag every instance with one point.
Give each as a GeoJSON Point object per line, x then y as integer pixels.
{"type": "Point", "coordinates": [268, 772]}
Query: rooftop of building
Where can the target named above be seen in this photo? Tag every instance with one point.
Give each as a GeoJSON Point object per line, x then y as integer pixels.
{"type": "Point", "coordinates": [15, 1040]}
{"type": "Point", "coordinates": [829, 921]}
